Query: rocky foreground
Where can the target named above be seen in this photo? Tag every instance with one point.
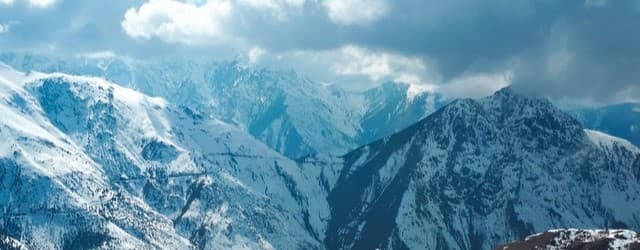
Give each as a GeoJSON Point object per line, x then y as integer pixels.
{"type": "Point", "coordinates": [578, 239]}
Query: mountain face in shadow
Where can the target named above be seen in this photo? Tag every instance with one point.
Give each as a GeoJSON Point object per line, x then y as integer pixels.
{"type": "Point", "coordinates": [477, 173]}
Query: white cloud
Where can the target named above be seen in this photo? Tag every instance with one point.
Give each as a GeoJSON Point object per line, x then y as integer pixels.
{"type": "Point", "coordinates": [475, 85]}
{"type": "Point", "coordinates": [41, 3]}
{"type": "Point", "coordinates": [596, 3]}
{"type": "Point", "coordinates": [98, 54]}
{"type": "Point", "coordinates": [355, 67]}
{"type": "Point", "coordinates": [255, 54]}
{"type": "Point", "coordinates": [380, 66]}
{"type": "Point", "coordinates": [5, 27]}
{"type": "Point", "coordinates": [179, 22]}
{"type": "Point", "coordinates": [32, 3]}
{"type": "Point", "coordinates": [277, 7]}
{"type": "Point", "coordinates": [356, 12]}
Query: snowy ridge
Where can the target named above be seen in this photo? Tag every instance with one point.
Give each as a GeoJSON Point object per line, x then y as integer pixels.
{"type": "Point", "coordinates": [610, 142]}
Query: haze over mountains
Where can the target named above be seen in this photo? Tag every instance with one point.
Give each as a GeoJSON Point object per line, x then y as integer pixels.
{"type": "Point", "coordinates": [89, 163]}
{"type": "Point", "coordinates": [292, 114]}
{"type": "Point", "coordinates": [274, 105]}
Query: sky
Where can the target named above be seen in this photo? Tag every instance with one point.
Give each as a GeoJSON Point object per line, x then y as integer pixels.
{"type": "Point", "coordinates": [585, 51]}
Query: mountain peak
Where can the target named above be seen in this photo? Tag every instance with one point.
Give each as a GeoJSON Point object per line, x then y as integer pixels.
{"type": "Point", "coordinates": [513, 93]}
{"type": "Point", "coordinates": [506, 91]}
{"type": "Point", "coordinates": [509, 101]}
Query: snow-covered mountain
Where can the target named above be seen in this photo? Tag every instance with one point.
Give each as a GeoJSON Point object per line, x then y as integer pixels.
{"type": "Point", "coordinates": [577, 239]}
{"type": "Point", "coordinates": [478, 173]}
{"type": "Point", "coordinates": [86, 163]}
{"type": "Point", "coordinates": [291, 114]}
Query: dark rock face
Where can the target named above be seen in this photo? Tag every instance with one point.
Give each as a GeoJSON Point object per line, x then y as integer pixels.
{"type": "Point", "coordinates": [160, 151]}
{"type": "Point", "coordinates": [539, 241]}
{"type": "Point", "coordinates": [574, 239]}
{"type": "Point", "coordinates": [478, 173]}
{"type": "Point", "coordinates": [9, 243]}
{"type": "Point", "coordinates": [64, 108]}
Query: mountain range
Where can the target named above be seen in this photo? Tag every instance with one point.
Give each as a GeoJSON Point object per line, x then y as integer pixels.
{"type": "Point", "coordinates": [259, 159]}
{"type": "Point", "coordinates": [275, 105]}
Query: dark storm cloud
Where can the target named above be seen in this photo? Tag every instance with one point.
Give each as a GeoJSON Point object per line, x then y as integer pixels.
{"type": "Point", "coordinates": [591, 54]}
{"type": "Point", "coordinates": [72, 24]}
{"type": "Point", "coordinates": [588, 50]}
{"type": "Point", "coordinates": [69, 27]}
{"type": "Point", "coordinates": [577, 49]}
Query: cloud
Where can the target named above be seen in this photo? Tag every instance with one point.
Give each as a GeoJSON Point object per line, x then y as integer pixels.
{"type": "Point", "coordinates": [40, 3]}
{"type": "Point", "coordinates": [475, 85]}
{"type": "Point", "coordinates": [4, 28]}
{"type": "Point", "coordinates": [583, 50]}
{"type": "Point", "coordinates": [378, 66]}
{"type": "Point", "coordinates": [590, 56]}
{"type": "Point", "coordinates": [596, 3]}
{"type": "Point", "coordinates": [354, 67]}
{"type": "Point", "coordinates": [278, 8]}
{"type": "Point", "coordinates": [179, 22]}
{"type": "Point", "coordinates": [255, 54]}
{"type": "Point", "coordinates": [98, 54]}
{"type": "Point", "coordinates": [356, 12]}
{"type": "Point", "coordinates": [32, 3]}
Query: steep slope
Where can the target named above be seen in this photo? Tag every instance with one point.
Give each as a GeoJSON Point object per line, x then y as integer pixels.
{"type": "Point", "coordinates": [123, 170]}
{"type": "Point", "coordinates": [578, 239]}
{"type": "Point", "coordinates": [477, 173]}
{"type": "Point", "coordinates": [621, 120]}
{"type": "Point", "coordinates": [291, 114]}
